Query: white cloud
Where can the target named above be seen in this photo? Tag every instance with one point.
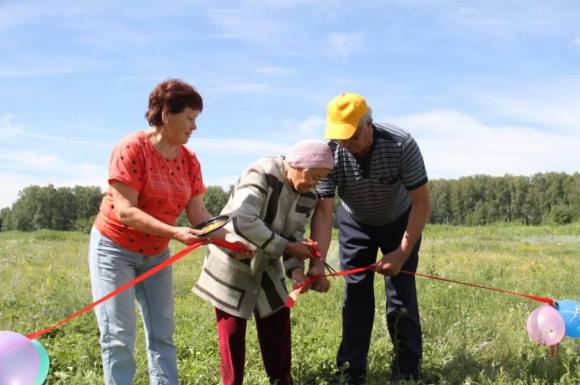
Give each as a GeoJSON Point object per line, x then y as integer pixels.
{"type": "Point", "coordinates": [455, 144]}
{"type": "Point", "coordinates": [312, 127]}
{"type": "Point", "coordinates": [31, 12]}
{"type": "Point", "coordinates": [576, 41]}
{"type": "Point", "coordinates": [76, 174]}
{"type": "Point", "coordinates": [100, 34]}
{"type": "Point", "coordinates": [35, 71]}
{"type": "Point", "coordinates": [484, 21]}
{"type": "Point", "coordinates": [49, 67]}
{"type": "Point", "coordinates": [85, 175]}
{"type": "Point", "coordinates": [12, 132]}
{"type": "Point", "coordinates": [514, 17]}
{"type": "Point", "coordinates": [344, 44]}
{"type": "Point", "coordinates": [11, 184]}
{"type": "Point", "coordinates": [54, 138]}
{"type": "Point", "coordinates": [30, 159]}
{"type": "Point", "coordinates": [279, 3]}
{"type": "Point", "coordinates": [548, 112]}
{"type": "Point", "coordinates": [552, 104]}
{"type": "Point", "coordinates": [224, 181]}
{"type": "Point", "coordinates": [246, 25]}
{"type": "Point", "coordinates": [235, 146]}
{"type": "Point", "coordinates": [24, 14]}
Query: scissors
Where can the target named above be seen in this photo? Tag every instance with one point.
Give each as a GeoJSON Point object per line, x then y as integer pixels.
{"type": "Point", "coordinates": [318, 257]}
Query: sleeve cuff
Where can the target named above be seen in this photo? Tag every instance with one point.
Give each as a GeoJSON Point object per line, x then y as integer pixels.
{"type": "Point", "coordinates": [276, 247]}
{"type": "Point", "coordinates": [291, 264]}
{"type": "Point", "coordinates": [417, 185]}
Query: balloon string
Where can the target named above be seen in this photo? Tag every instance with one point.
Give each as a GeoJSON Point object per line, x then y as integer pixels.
{"type": "Point", "coordinates": [293, 296]}
{"type": "Point", "coordinates": [133, 282]}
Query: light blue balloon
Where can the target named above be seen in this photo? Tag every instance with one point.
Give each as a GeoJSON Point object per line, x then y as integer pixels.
{"type": "Point", "coordinates": [570, 311]}
{"type": "Point", "coordinates": [44, 363]}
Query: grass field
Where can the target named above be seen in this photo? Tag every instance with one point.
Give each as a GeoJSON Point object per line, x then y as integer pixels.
{"type": "Point", "coordinates": [471, 336]}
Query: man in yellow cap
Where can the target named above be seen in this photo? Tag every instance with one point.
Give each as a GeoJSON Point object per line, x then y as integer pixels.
{"type": "Point", "coordinates": [381, 179]}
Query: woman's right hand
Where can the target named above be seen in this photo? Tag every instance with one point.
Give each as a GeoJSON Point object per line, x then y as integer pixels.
{"type": "Point", "coordinates": [186, 235]}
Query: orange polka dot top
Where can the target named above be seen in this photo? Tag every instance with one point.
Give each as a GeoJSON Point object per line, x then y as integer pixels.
{"type": "Point", "coordinates": [165, 187]}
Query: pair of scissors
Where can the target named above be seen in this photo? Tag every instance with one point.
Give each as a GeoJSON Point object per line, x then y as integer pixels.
{"type": "Point", "coordinates": [317, 256]}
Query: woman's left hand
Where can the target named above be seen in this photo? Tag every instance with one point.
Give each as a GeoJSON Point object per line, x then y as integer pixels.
{"type": "Point", "coordinates": [298, 278]}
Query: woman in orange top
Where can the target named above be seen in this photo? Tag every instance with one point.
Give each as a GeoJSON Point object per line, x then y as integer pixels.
{"type": "Point", "coordinates": [153, 177]}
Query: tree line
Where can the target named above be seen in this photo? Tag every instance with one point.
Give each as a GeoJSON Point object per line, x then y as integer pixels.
{"type": "Point", "coordinates": [473, 200]}
{"type": "Point", "coordinates": [73, 208]}
{"type": "Point", "coordinates": [532, 200]}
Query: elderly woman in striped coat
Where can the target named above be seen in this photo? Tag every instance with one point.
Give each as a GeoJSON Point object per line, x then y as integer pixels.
{"type": "Point", "coordinates": [270, 205]}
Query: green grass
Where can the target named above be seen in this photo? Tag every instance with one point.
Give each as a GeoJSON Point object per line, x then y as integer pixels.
{"type": "Point", "coordinates": [471, 336]}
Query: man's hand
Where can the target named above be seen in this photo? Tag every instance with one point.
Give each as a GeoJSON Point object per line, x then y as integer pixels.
{"type": "Point", "coordinates": [391, 263]}
{"type": "Point", "coordinates": [322, 284]}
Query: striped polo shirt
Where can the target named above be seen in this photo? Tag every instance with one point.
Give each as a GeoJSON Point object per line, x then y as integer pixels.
{"type": "Point", "coordinates": [375, 190]}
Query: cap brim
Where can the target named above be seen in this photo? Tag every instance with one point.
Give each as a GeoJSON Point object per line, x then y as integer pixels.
{"type": "Point", "coordinates": [339, 131]}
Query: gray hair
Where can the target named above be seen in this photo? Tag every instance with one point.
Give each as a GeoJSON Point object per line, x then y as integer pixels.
{"type": "Point", "coordinates": [366, 118]}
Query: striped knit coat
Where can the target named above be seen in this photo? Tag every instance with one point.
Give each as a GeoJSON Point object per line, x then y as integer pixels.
{"type": "Point", "coordinates": [267, 213]}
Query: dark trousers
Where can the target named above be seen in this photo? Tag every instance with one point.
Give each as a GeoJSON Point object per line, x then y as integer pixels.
{"type": "Point", "coordinates": [274, 338]}
{"type": "Point", "coordinates": [358, 247]}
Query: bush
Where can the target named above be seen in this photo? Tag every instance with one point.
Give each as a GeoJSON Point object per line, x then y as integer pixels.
{"type": "Point", "coordinates": [85, 224]}
{"type": "Point", "coordinates": [561, 215]}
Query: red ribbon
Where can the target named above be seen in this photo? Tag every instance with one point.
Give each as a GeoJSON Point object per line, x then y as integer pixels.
{"type": "Point", "coordinates": [546, 300]}
{"type": "Point", "coordinates": [133, 282]}
{"type": "Point", "coordinates": [293, 296]}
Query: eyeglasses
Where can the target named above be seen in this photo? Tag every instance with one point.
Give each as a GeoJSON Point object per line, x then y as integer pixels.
{"type": "Point", "coordinates": [352, 139]}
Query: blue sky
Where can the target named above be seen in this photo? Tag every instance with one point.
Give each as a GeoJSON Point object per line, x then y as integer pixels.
{"type": "Point", "coordinates": [487, 87]}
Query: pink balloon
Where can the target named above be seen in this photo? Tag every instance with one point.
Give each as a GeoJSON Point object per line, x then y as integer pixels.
{"type": "Point", "coordinates": [546, 326]}
{"type": "Point", "coordinates": [19, 360]}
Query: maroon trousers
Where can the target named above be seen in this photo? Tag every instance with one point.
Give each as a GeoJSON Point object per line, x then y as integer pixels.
{"type": "Point", "coordinates": [274, 338]}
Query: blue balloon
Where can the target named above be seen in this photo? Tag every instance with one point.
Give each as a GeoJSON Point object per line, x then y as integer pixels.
{"type": "Point", "coordinates": [570, 311]}
{"type": "Point", "coordinates": [44, 363]}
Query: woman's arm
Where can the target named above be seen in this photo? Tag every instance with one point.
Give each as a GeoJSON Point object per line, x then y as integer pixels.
{"type": "Point", "coordinates": [125, 207]}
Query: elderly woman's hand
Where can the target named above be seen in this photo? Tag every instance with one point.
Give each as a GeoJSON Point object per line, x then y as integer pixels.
{"type": "Point", "coordinates": [298, 278]}
{"type": "Point", "coordinates": [247, 253]}
{"type": "Point", "coordinates": [301, 250]}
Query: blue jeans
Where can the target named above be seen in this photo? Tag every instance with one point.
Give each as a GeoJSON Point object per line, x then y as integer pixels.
{"type": "Point", "coordinates": [111, 266]}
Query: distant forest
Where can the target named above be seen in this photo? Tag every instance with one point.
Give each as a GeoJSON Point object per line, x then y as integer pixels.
{"type": "Point", "coordinates": [544, 198]}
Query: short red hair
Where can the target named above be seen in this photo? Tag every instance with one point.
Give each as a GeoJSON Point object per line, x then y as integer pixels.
{"type": "Point", "coordinates": [173, 96]}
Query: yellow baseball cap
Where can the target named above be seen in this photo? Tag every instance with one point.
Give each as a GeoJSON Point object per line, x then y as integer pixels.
{"type": "Point", "coordinates": [343, 114]}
